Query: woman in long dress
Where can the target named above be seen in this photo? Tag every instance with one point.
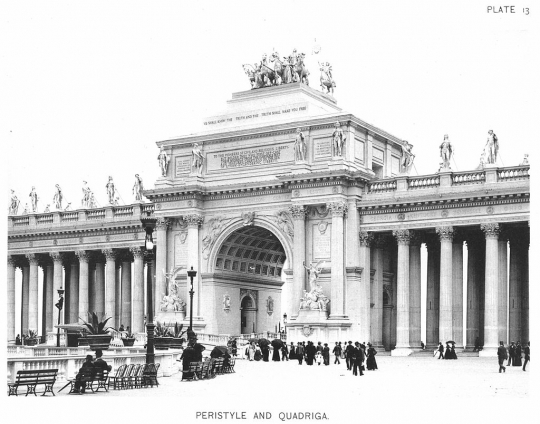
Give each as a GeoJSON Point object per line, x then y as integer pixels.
{"type": "Point", "coordinates": [453, 351]}
{"type": "Point", "coordinates": [275, 354]}
{"type": "Point", "coordinates": [517, 356]}
{"type": "Point", "coordinates": [448, 352]}
{"type": "Point", "coordinates": [258, 354]}
{"type": "Point", "coordinates": [265, 353]}
{"type": "Point", "coordinates": [251, 352]}
{"type": "Point", "coordinates": [292, 351]}
{"type": "Point", "coordinates": [371, 363]}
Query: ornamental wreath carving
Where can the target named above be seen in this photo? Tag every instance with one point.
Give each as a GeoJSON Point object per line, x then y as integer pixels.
{"type": "Point", "coordinates": [226, 302]}
{"type": "Point", "coordinates": [307, 330]}
{"type": "Point", "coordinates": [270, 305]}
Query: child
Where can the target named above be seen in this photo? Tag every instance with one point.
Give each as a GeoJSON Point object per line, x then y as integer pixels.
{"type": "Point", "coordinates": [319, 358]}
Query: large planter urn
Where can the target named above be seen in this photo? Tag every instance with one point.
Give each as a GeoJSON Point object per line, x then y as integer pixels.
{"type": "Point", "coordinates": [128, 342]}
{"type": "Point", "coordinates": [177, 343]}
{"type": "Point", "coordinates": [30, 342]}
{"type": "Point", "coordinates": [99, 341]}
{"type": "Point", "coordinates": [163, 343]}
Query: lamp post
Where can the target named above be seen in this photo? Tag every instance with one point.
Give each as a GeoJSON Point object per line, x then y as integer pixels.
{"type": "Point", "coordinates": [191, 274]}
{"type": "Point", "coordinates": [59, 305]}
{"type": "Point", "coordinates": [285, 322]}
{"type": "Point", "coordinates": [149, 223]}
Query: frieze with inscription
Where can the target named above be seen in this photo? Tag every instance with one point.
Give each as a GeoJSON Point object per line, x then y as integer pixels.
{"type": "Point", "coordinates": [245, 158]}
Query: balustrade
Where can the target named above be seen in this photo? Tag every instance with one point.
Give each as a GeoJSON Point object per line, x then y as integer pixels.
{"type": "Point", "coordinates": [517, 173]}
{"type": "Point", "coordinates": [382, 186]}
{"type": "Point", "coordinates": [424, 182]}
{"type": "Point", "coordinates": [45, 219]}
{"type": "Point", "coordinates": [97, 214]}
{"type": "Point", "coordinates": [463, 178]}
{"type": "Point", "coordinates": [69, 216]}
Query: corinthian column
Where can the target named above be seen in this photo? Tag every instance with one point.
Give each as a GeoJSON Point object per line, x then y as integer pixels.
{"type": "Point", "coordinates": [25, 298]}
{"type": "Point", "coordinates": [415, 291]}
{"type": "Point", "coordinates": [475, 261]}
{"type": "Point", "coordinates": [33, 292]}
{"type": "Point", "coordinates": [57, 277]}
{"type": "Point", "coordinates": [457, 291]}
{"type": "Point", "coordinates": [48, 298]}
{"type": "Point", "coordinates": [126, 291]}
{"type": "Point", "coordinates": [99, 287]}
{"type": "Point", "coordinates": [194, 221]}
{"type": "Point", "coordinates": [110, 285]}
{"type": "Point", "coordinates": [432, 292]}
{"type": "Point", "coordinates": [360, 296]}
{"type": "Point", "coordinates": [338, 210]}
{"type": "Point", "coordinates": [377, 292]}
{"type": "Point", "coordinates": [83, 306]}
{"type": "Point", "coordinates": [73, 293]}
{"type": "Point", "coordinates": [161, 261]}
{"type": "Point", "coordinates": [402, 324]}
{"type": "Point", "coordinates": [11, 267]}
{"type": "Point", "coordinates": [298, 213]}
{"type": "Point", "coordinates": [491, 304]}
{"type": "Point", "coordinates": [138, 290]}
{"type": "Point", "coordinates": [503, 287]}
{"type": "Point", "coordinates": [515, 288]}
{"type": "Point", "coordinates": [446, 235]}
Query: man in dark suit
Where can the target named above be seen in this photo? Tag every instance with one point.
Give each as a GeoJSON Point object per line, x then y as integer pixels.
{"type": "Point", "coordinates": [527, 352]}
{"type": "Point", "coordinates": [502, 355]}
{"type": "Point", "coordinates": [337, 352]}
{"type": "Point", "coordinates": [349, 351]}
{"type": "Point", "coordinates": [358, 358]}
{"type": "Point", "coordinates": [99, 363]}
{"type": "Point", "coordinates": [511, 353]}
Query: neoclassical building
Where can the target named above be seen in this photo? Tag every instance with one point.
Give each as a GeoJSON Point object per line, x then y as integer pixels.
{"type": "Point", "coordinates": [285, 204]}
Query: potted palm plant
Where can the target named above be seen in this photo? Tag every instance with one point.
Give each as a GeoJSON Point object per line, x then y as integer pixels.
{"type": "Point", "coordinates": [31, 338]}
{"type": "Point", "coordinates": [128, 338]}
{"type": "Point", "coordinates": [162, 337]}
{"type": "Point", "coordinates": [97, 334]}
{"type": "Point", "coordinates": [178, 340]}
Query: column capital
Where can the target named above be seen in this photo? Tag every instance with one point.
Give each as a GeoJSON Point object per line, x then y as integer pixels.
{"type": "Point", "coordinates": [110, 254]}
{"type": "Point", "coordinates": [83, 255]}
{"type": "Point", "coordinates": [445, 233]}
{"type": "Point", "coordinates": [11, 261]}
{"type": "Point", "coordinates": [137, 252]}
{"type": "Point", "coordinates": [298, 212]}
{"type": "Point", "coordinates": [57, 257]}
{"type": "Point", "coordinates": [403, 236]}
{"type": "Point", "coordinates": [194, 220]}
{"type": "Point", "coordinates": [491, 230]}
{"type": "Point", "coordinates": [162, 223]}
{"type": "Point", "coordinates": [366, 238]}
{"type": "Point", "coordinates": [33, 259]}
{"type": "Point", "coordinates": [338, 208]}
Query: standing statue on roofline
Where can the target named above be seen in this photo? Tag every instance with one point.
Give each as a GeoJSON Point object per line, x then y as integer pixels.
{"type": "Point", "coordinates": [338, 140]}
{"type": "Point", "coordinates": [163, 160]}
{"type": "Point", "coordinates": [110, 191]}
{"type": "Point", "coordinates": [407, 157]}
{"type": "Point", "coordinates": [14, 205]}
{"type": "Point", "coordinates": [491, 148]}
{"type": "Point", "coordinates": [58, 197]}
{"type": "Point", "coordinates": [34, 199]}
{"type": "Point", "coordinates": [446, 151]}
{"type": "Point", "coordinates": [327, 81]}
{"type": "Point", "coordinates": [138, 188]}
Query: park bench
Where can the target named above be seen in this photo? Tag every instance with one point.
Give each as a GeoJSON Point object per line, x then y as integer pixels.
{"type": "Point", "coordinates": [194, 371]}
{"type": "Point", "coordinates": [93, 379]}
{"type": "Point", "coordinates": [32, 379]}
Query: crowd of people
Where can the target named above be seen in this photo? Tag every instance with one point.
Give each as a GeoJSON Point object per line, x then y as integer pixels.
{"type": "Point", "coordinates": [513, 355]}
{"type": "Point", "coordinates": [307, 352]}
{"type": "Point", "coordinates": [449, 353]}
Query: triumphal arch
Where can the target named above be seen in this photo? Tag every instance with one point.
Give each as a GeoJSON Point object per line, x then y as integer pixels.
{"type": "Point", "coordinates": [285, 204]}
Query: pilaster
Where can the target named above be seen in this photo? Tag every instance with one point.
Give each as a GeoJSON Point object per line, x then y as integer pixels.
{"type": "Point", "coordinates": [298, 213]}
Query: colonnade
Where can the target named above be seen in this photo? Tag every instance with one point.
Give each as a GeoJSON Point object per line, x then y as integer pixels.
{"type": "Point", "coordinates": [98, 281]}
{"type": "Point", "coordinates": [488, 304]}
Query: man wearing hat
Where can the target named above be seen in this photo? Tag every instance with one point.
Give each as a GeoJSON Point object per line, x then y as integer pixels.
{"type": "Point", "coordinates": [99, 363]}
{"type": "Point", "coordinates": [501, 354]}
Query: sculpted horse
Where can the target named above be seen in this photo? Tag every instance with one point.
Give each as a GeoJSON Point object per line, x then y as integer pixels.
{"type": "Point", "coordinates": [300, 71]}
{"type": "Point", "coordinates": [254, 76]}
{"type": "Point", "coordinates": [327, 82]}
{"type": "Point", "coordinates": [282, 68]}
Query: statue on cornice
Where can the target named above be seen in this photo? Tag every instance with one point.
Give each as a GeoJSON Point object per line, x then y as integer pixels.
{"type": "Point", "coordinates": [338, 140]}
{"type": "Point", "coordinates": [85, 202]}
{"type": "Point", "coordinates": [25, 211]}
{"type": "Point", "coordinates": [525, 160]}
{"type": "Point", "coordinates": [446, 151]}
{"type": "Point", "coordinates": [68, 207]}
{"type": "Point", "coordinates": [163, 160]}
{"type": "Point", "coordinates": [92, 201]}
{"type": "Point", "coordinates": [138, 188]}
{"type": "Point", "coordinates": [300, 146]}
{"type": "Point", "coordinates": [58, 197]}
{"type": "Point", "coordinates": [491, 148]}
{"type": "Point", "coordinates": [14, 205]}
{"type": "Point", "coordinates": [110, 191]}
{"type": "Point", "coordinates": [327, 81]}
{"type": "Point", "coordinates": [47, 208]}
{"type": "Point", "coordinates": [407, 157]}
{"type": "Point", "coordinates": [34, 199]}
{"type": "Point", "coordinates": [197, 159]}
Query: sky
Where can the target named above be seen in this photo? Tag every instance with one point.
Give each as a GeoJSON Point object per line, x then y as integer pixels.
{"type": "Point", "coordinates": [89, 87]}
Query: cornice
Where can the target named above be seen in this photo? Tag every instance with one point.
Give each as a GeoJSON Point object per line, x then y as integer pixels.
{"type": "Point", "coordinates": [391, 207]}
{"type": "Point", "coordinates": [61, 233]}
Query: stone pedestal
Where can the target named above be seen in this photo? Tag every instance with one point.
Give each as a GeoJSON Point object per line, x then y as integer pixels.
{"type": "Point", "coordinates": [337, 164]}
{"type": "Point", "coordinates": [172, 317]}
{"type": "Point", "coordinates": [315, 326]}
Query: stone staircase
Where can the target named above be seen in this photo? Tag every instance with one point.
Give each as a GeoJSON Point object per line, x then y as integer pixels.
{"type": "Point", "coordinates": [429, 353]}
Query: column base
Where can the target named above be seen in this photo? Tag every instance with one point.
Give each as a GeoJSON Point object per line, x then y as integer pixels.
{"type": "Point", "coordinates": [488, 352]}
{"type": "Point", "coordinates": [401, 351]}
